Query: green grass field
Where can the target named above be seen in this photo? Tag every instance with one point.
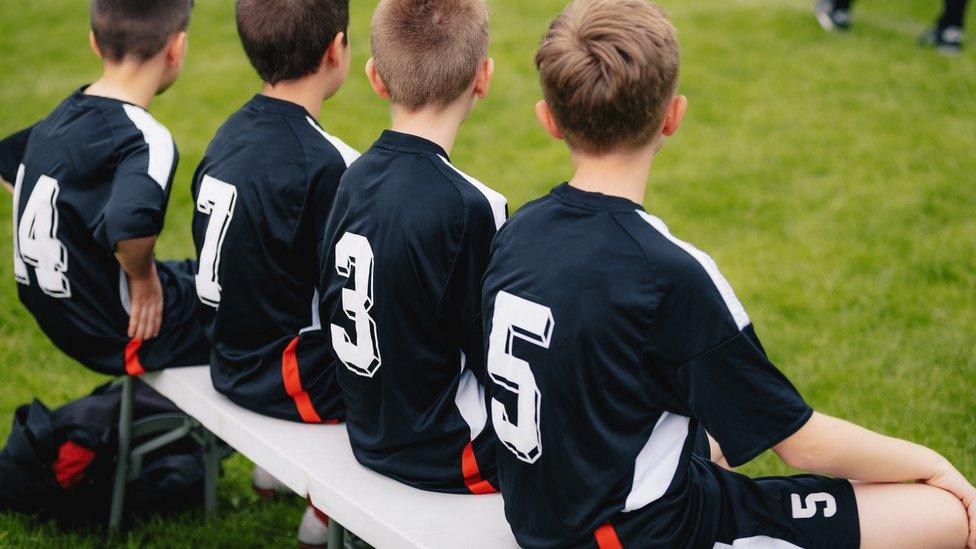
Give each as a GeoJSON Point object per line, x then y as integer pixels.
{"type": "Point", "coordinates": [833, 177]}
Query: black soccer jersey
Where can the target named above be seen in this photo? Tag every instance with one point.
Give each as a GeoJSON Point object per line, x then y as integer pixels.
{"type": "Point", "coordinates": [95, 172]}
{"type": "Point", "coordinates": [263, 192]}
{"type": "Point", "coordinates": [406, 248]}
{"type": "Point", "coordinates": [608, 341]}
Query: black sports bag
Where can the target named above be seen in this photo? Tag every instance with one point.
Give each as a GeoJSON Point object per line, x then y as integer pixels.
{"type": "Point", "coordinates": [61, 464]}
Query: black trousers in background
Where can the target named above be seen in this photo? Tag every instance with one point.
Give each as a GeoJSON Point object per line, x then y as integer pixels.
{"type": "Point", "coordinates": [953, 12]}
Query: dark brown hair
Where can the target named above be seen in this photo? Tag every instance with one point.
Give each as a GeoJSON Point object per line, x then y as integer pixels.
{"type": "Point", "coordinates": [286, 39]}
{"type": "Point", "coordinates": [428, 51]}
{"type": "Point", "coordinates": [138, 28]}
{"type": "Point", "coordinates": [609, 69]}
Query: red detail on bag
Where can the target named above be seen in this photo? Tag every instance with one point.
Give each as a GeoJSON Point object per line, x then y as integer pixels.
{"type": "Point", "coordinates": [72, 462]}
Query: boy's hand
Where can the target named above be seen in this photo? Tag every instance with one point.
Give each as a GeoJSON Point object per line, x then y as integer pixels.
{"type": "Point", "coordinates": [145, 290]}
{"type": "Point", "coordinates": [146, 311]}
{"type": "Point", "coordinates": [951, 480]}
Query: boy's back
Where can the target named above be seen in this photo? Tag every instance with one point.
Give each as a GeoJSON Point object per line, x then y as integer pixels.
{"type": "Point", "coordinates": [96, 171]}
{"type": "Point", "coordinates": [407, 246]}
{"type": "Point", "coordinates": [263, 192]}
{"type": "Point", "coordinates": [591, 301]}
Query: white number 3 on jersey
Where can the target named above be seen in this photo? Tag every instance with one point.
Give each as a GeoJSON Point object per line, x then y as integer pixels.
{"type": "Point", "coordinates": [354, 258]}
{"type": "Point", "coordinates": [515, 317]}
{"type": "Point", "coordinates": [36, 238]}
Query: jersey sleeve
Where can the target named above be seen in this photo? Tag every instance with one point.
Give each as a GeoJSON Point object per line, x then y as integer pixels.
{"type": "Point", "coordinates": [12, 150]}
{"type": "Point", "coordinates": [720, 368]}
{"type": "Point", "coordinates": [465, 285]}
{"type": "Point", "coordinates": [137, 204]}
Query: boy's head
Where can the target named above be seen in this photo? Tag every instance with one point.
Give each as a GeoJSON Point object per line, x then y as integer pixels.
{"type": "Point", "coordinates": [142, 30]}
{"type": "Point", "coordinates": [293, 39]}
{"type": "Point", "coordinates": [609, 73]}
{"type": "Point", "coordinates": [430, 53]}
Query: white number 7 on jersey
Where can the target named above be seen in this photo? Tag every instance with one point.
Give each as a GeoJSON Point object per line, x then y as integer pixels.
{"type": "Point", "coordinates": [216, 199]}
{"type": "Point", "coordinates": [515, 317]}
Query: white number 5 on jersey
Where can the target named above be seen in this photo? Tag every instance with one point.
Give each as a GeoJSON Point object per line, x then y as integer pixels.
{"type": "Point", "coordinates": [515, 317]}
{"type": "Point", "coordinates": [216, 199]}
{"type": "Point", "coordinates": [354, 258]}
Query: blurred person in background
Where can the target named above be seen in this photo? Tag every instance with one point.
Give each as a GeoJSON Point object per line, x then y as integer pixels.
{"type": "Point", "coordinates": [946, 34]}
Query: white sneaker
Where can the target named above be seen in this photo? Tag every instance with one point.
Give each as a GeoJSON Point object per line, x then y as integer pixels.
{"type": "Point", "coordinates": [313, 532]}
{"type": "Point", "coordinates": [267, 486]}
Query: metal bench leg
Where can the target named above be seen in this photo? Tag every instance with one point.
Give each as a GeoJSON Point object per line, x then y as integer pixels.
{"type": "Point", "coordinates": [122, 463]}
{"type": "Point", "coordinates": [211, 462]}
{"type": "Point", "coordinates": [337, 535]}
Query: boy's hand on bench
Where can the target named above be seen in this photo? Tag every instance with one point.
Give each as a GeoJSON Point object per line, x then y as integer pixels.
{"type": "Point", "coordinates": [951, 480]}
{"type": "Point", "coordinates": [145, 289]}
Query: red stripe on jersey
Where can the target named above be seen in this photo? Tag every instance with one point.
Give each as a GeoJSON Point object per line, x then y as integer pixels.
{"type": "Point", "coordinates": [472, 475]}
{"type": "Point", "coordinates": [606, 537]}
{"type": "Point", "coordinates": [132, 365]}
{"type": "Point", "coordinates": [293, 384]}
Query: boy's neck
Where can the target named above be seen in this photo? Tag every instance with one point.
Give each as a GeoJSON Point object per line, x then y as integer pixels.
{"type": "Point", "coordinates": [437, 124]}
{"type": "Point", "coordinates": [614, 174]}
{"type": "Point", "coordinates": [306, 92]}
{"type": "Point", "coordinates": [129, 81]}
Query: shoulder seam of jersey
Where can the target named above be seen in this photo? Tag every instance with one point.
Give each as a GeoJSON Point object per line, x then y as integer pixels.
{"type": "Point", "coordinates": [346, 153]}
{"type": "Point", "coordinates": [732, 303]}
{"type": "Point", "coordinates": [162, 148]}
{"type": "Point", "coordinates": [498, 209]}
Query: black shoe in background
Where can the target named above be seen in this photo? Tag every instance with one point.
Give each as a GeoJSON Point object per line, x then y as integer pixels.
{"type": "Point", "coordinates": [831, 17]}
{"type": "Point", "coordinates": [948, 40]}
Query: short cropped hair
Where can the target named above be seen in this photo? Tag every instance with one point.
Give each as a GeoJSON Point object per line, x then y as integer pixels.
{"type": "Point", "coordinates": [428, 51]}
{"type": "Point", "coordinates": [286, 39]}
{"type": "Point", "coordinates": [609, 69]}
{"type": "Point", "coordinates": [137, 28]}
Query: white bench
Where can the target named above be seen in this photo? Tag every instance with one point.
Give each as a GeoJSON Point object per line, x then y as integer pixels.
{"type": "Point", "coordinates": [315, 461]}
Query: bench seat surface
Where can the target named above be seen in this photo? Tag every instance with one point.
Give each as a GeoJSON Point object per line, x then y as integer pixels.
{"type": "Point", "coordinates": [315, 461]}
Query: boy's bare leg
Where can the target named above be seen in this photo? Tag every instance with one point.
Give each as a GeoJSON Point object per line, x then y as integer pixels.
{"type": "Point", "coordinates": [718, 456]}
{"type": "Point", "coordinates": [909, 515]}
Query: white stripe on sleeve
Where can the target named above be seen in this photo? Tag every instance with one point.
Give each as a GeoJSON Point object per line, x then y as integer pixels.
{"type": "Point", "coordinates": [162, 151]}
{"type": "Point", "coordinates": [724, 288]}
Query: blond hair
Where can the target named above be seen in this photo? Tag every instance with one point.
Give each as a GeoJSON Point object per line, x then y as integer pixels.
{"type": "Point", "coordinates": [609, 69]}
{"type": "Point", "coordinates": [428, 51]}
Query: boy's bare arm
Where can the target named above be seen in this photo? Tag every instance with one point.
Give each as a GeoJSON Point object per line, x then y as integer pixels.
{"type": "Point", "coordinates": [834, 447]}
{"type": "Point", "coordinates": [7, 186]}
{"type": "Point", "coordinates": [145, 290]}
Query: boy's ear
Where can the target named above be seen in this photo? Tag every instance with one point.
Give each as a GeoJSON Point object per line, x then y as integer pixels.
{"type": "Point", "coordinates": [375, 81]}
{"type": "Point", "coordinates": [93, 44]}
{"type": "Point", "coordinates": [675, 115]}
{"type": "Point", "coordinates": [548, 121]}
{"type": "Point", "coordinates": [176, 52]}
{"type": "Point", "coordinates": [336, 54]}
{"type": "Point", "coordinates": [482, 81]}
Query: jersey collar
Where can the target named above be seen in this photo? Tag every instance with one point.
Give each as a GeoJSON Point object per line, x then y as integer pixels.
{"type": "Point", "coordinates": [405, 142]}
{"type": "Point", "coordinates": [568, 194]}
{"type": "Point", "coordinates": [280, 106]}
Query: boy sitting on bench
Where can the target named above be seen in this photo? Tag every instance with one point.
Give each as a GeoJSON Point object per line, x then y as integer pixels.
{"type": "Point", "coordinates": [406, 248]}
{"type": "Point", "coordinates": [91, 186]}
{"type": "Point", "coordinates": [610, 342]}
{"type": "Point", "coordinates": [263, 192]}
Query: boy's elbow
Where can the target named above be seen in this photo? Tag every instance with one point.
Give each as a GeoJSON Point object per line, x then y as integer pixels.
{"type": "Point", "coordinates": [797, 457]}
{"type": "Point", "coordinates": [805, 450]}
